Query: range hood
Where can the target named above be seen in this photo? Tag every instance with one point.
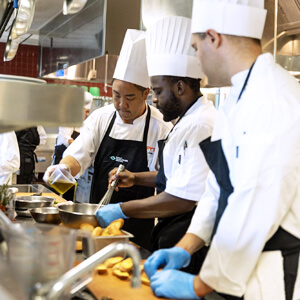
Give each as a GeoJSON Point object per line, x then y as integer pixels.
{"type": "Point", "coordinates": [98, 29]}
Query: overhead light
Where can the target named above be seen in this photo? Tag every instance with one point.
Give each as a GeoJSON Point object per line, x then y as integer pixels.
{"type": "Point", "coordinates": [73, 6]}
{"type": "Point", "coordinates": [24, 17]}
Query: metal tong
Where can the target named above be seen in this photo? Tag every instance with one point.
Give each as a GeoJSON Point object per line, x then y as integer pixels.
{"type": "Point", "coordinates": [106, 198]}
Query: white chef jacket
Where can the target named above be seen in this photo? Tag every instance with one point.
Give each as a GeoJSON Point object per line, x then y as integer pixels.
{"type": "Point", "coordinates": [65, 134]}
{"type": "Point", "coordinates": [9, 156]}
{"type": "Point", "coordinates": [261, 141]}
{"type": "Point", "coordinates": [184, 163]}
{"type": "Point", "coordinates": [84, 149]}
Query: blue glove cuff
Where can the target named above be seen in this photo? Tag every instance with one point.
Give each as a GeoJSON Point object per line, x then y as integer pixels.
{"type": "Point", "coordinates": [121, 211]}
{"type": "Point", "coordinates": [190, 282]}
{"type": "Point", "coordinates": [186, 255]}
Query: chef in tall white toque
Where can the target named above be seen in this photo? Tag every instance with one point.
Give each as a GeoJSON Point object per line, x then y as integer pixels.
{"type": "Point", "coordinates": [125, 132]}
{"type": "Point", "coordinates": [250, 211]}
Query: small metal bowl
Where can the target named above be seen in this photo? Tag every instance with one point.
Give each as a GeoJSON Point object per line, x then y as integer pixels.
{"type": "Point", "coordinates": [49, 215]}
{"type": "Point", "coordinates": [24, 203]}
{"type": "Point", "coordinates": [73, 215]}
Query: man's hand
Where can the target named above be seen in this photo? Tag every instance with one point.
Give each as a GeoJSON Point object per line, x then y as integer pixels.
{"type": "Point", "coordinates": [173, 258]}
{"type": "Point", "coordinates": [173, 284]}
{"type": "Point", "coordinates": [51, 169]}
{"type": "Point", "coordinates": [109, 213]}
{"type": "Point", "coordinates": [125, 178]}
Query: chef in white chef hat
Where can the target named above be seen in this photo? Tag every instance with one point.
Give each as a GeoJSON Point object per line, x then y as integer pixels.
{"type": "Point", "coordinates": [249, 213]}
{"type": "Point", "coordinates": [125, 132]}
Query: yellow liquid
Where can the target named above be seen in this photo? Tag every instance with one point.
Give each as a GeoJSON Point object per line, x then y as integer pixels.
{"type": "Point", "coordinates": [61, 186]}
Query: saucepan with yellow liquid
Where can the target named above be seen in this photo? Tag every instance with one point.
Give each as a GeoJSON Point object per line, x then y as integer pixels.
{"type": "Point", "coordinates": [61, 180]}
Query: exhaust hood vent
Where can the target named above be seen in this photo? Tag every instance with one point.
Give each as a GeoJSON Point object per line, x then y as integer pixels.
{"type": "Point", "coordinates": [98, 29]}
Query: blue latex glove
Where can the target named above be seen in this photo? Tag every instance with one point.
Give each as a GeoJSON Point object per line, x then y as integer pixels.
{"type": "Point", "coordinates": [109, 213]}
{"type": "Point", "coordinates": [173, 284]}
{"type": "Point", "coordinates": [173, 258]}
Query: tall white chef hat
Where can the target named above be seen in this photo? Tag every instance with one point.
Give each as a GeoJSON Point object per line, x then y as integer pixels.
{"type": "Point", "coordinates": [234, 17]}
{"type": "Point", "coordinates": [169, 51]}
{"type": "Point", "coordinates": [131, 65]}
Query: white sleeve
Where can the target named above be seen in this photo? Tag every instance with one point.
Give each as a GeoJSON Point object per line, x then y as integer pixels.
{"type": "Point", "coordinates": [9, 153]}
{"type": "Point", "coordinates": [86, 145]}
{"type": "Point", "coordinates": [189, 168]}
{"type": "Point", "coordinates": [204, 217]}
{"type": "Point", "coordinates": [43, 135]}
{"type": "Point", "coordinates": [266, 186]}
{"type": "Point", "coordinates": [64, 135]}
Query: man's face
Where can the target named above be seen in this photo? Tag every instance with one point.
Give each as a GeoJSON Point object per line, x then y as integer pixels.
{"type": "Point", "coordinates": [209, 60]}
{"type": "Point", "coordinates": [166, 100]}
{"type": "Point", "coordinates": [128, 100]}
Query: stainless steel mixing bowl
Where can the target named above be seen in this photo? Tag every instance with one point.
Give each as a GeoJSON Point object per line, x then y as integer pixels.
{"type": "Point", "coordinates": [49, 215]}
{"type": "Point", "coordinates": [24, 203]}
{"type": "Point", "coordinates": [73, 215]}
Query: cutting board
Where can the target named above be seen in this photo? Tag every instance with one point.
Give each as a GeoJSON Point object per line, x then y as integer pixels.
{"type": "Point", "coordinates": [108, 285]}
{"type": "Point", "coordinates": [52, 195]}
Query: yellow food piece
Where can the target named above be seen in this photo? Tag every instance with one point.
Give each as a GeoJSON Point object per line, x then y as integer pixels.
{"type": "Point", "coordinates": [87, 227]}
{"type": "Point", "coordinates": [105, 232]}
{"type": "Point", "coordinates": [118, 224]}
{"type": "Point", "coordinates": [145, 279]}
{"type": "Point", "coordinates": [117, 266]}
{"type": "Point", "coordinates": [97, 231]}
{"type": "Point", "coordinates": [110, 262]}
{"type": "Point", "coordinates": [126, 265]}
{"type": "Point", "coordinates": [120, 274]}
{"type": "Point", "coordinates": [101, 269]}
{"type": "Point", "coordinates": [78, 245]}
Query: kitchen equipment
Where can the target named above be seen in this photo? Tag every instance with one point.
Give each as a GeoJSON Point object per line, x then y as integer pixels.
{"type": "Point", "coordinates": [12, 44]}
{"type": "Point", "coordinates": [44, 257]}
{"type": "Point", "coordinates": [61, 180]}
{"type": "Point", "coordinates": [54, 290]}
{"type": "Point", "coordinates": [5, 14]}
{"type": "Point", "coordinates": [100, 242]}
{"type": "Point", "coordinates": [24, 203]}
{"type": "Point", "coordinates": [24, 17]}
{"type": "Point", "coordinates": [73, 6]}
{"type": "Point", "coordinates": [73, 215]}
{"type": "Point", "coordinates": [107, 196]}
{"type": "Point", "coordinates": [49, 215]}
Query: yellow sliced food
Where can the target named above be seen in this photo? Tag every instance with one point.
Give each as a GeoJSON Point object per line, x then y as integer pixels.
{"type": "Point", "coordinates": [145, 279]}
{"type": "Point", "coordinates": [117, 266]}
{"type": "Point", "coordinates": [118, 224]}
{"type": "Point", "coordinates": [101, 269]}
{"type": "Point", "coordinates": [110, 262]}
{"type": "Point", "coordinates": [97, 231]}
{"type": "Point", "coordinates": [87, 227]}
{"type": "Point", "coordinates": [78, 245]}
{"type": "Point", "coordinates": [120, 274]}
{"type": "Point", "coordinates": [126, 265]}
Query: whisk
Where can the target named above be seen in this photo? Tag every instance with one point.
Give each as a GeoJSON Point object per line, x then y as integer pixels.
{"type": "Point", "coordinates": [106, 198]}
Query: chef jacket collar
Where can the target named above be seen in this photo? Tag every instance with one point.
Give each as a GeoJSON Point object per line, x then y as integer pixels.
{"type": "Point", "coordinates": [200, 101]}
{"type": "Point", "coordinates": [137, 121]}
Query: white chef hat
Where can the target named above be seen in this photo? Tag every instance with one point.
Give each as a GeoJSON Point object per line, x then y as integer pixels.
{"type": "Point", "coordinates": [131, 65]}
{"type": "Point", "coordinates": [234, 17]}
{"type": "Point", "coordinates": [169, 51]}
{"type": "Point", "coordinates": [88, 99]}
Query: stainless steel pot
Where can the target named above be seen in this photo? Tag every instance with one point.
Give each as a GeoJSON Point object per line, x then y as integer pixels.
{"type": "Point", "coordinates": [73, 215]}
